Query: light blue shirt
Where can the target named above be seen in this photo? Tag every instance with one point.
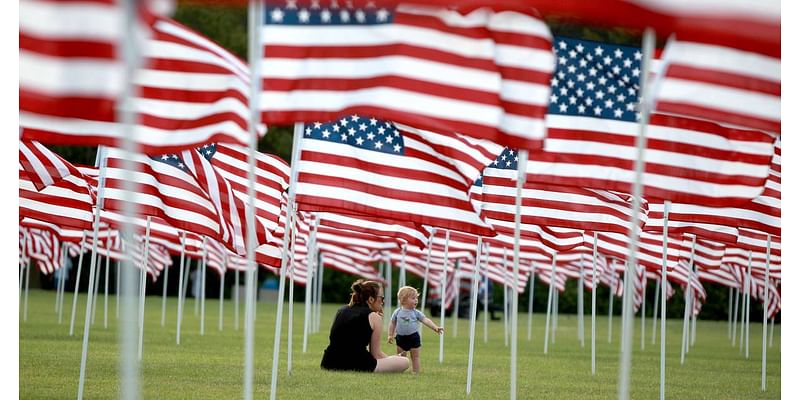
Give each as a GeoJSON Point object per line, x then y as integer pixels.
{"type": "Point", "coordinates": [407, 321]}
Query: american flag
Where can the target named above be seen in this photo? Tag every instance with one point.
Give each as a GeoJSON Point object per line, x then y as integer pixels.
{"type": "Point", "coordinates": [723, 84]}
{"type": "Point", "coordinates": [188, 90]}
{"type": "Point", "coordinates": [272, 178]}
{"type": "Point", "coordinates": [593, 123]}
{"type": "Point", "coordinates": [474, 71]}
{"type": "Point", "coordinates": [67, 202]}
{"type": "Point", "coordinates": [167, 189]}
{"type": "Point", "coordinates": [412, 234]}
{"type": "Point", "coordinates": [762, 213]}
{"type": "Point", "coordinates": [363, 165]}
{"type": "Point", "coordinates": [44, 167]}
{"type": "Point", "coordinates": [553, 205]}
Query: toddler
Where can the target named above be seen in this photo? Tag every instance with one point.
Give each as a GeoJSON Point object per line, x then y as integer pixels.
{"type": "Point", "coordinates": [405, 323]}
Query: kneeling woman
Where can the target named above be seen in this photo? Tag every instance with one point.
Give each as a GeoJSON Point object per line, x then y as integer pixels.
{"type": "Point", "coordinates": [357, 326]}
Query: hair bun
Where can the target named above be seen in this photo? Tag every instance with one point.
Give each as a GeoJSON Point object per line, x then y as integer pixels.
{"type": "Point", "coordinates": [356, 286]}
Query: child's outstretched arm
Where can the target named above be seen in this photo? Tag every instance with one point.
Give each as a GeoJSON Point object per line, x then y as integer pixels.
{"type": "Point", "coordinates": [391, 332]}
{"type": "Point", "coordinates": [430, 324]}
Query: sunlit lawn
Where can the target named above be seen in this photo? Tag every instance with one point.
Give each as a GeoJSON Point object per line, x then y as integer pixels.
{"type": "Point", "coordinates": [210, 366]}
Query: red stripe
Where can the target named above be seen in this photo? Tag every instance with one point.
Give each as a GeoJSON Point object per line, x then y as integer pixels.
{"type": "Point", "coordinates": [319, 54]}
{"type": "Point", "coordinates": [89, 108]}
{"type": "Point", "coordinates": [693, 110]}
{"type": "Point", "coordinates": [429, 87]}
{"type": "Point", "coordinates": [65, 48]}
{"type": "Point", "coordinates": [191, 96]}
{"type": "Point", "coordinates": [724, 78]}
{"type": "Point", "coordinates": [171, 124]}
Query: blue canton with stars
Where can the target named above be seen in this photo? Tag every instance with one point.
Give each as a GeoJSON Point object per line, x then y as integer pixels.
{"type": "Point", "coordinates": [362, 132]}
{"type": "Point", "coordinates": [595, 79]}
{"type": "Point", "coordinates": [207, 150]}
{"type": "Point", "coordinates": [506, 160]}
{"type": "Point", "coordinates": [324, 13]}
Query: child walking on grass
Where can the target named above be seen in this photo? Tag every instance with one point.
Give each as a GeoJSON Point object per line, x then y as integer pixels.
{"type": "Point", "coordinates": [405, 324]}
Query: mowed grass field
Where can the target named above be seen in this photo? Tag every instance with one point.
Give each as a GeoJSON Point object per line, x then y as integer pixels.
{"type": "Point", "coordinates": [210, 366]}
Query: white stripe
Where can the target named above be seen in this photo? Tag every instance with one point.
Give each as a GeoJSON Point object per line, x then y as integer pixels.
{"type": "Point", "coordinates": [525, 58]}
{"type": "Point", "coordinates": [415, 208]}
{"type": "Point", "coordinates": [38, 168]}
{"type": "Point", "coordinates": [725, 59]}
{"type": "Point", "coordinates": [199, 81]}
{"type": "Point", "coordinates": [440, 73]}
{"type": "Point", "coordinates": [737, 101]}
{"type": "Point", "coordinates": [525, 92]}
{"type": "Point", "coordinates": [233, 62]}
{"type": "Point", "coordinates": [390, 98]}
{"type": "Point", "coordinates": [188, 110]}
{"type": "Point", "coordinates": [73, 76]}
{"type": "Point", "coordinates": [75, 20]}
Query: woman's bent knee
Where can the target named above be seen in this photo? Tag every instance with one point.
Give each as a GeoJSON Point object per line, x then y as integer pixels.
{"type": "Point", "coordinates": [392, 364]}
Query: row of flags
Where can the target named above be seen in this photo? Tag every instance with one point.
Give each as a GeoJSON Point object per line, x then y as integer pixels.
{"type": "Point", "coordinates": [415, 116]}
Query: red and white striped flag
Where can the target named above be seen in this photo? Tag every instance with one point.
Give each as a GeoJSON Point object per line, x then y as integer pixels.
{"type": "Point", "coordinates": [366, 166]}
{"type": "Point", "coordinates": [721, 83]}
{"type": "Point", "coordinates": [471, 70]}
{"type": "Point", "coordinates": [592, 125]}
{"type": "Point", "coordinates": [67, 202]}
{"type": "Point", "coordinates": [412, 234]}
{"type": "Point", "coordinates": [44, 167]}
{"type": "Point", "coordinates": [166, 189]}
{"type": "Point", "coordinates": [272, 178]}
{"type": "Point", "coordinates": [188, 90]}
{"type": "Point", "coordinates": [554, 205]}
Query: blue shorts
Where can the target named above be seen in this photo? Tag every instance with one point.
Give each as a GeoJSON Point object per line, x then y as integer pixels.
{"type": "Point", "coordinates": [408, 342]}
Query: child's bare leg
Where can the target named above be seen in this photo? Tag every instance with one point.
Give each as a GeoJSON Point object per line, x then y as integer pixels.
{"type": "Point", "coordinates": [415, 359]}
{"type": "Point", "coordinates": [400, 351]}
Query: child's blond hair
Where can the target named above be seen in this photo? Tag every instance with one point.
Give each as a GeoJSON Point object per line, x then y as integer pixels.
{"type": "Point", "coordinates": [405, 292]}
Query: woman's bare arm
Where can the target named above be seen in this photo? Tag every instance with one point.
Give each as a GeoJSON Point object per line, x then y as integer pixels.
{"type": "Point", "coordinates": [375, 321]}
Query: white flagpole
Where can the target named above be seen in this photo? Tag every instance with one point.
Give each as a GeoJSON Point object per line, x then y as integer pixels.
{"type": "Point", "coordinates": [236, 299]}
{"type": "Point", "coordinates": [181, 283]}
{"type": "Point", "coordinates": [625, 298]}
{"type": "Point", "coordinates": [202, 277]}
{"type": "Point", "coordinates": [96, 227]}
{"type": "Point", "coordinates": [521, 176]}
{"type": "Point", "coordinates": [745, 334]}
{"type": "Point", "coordinates": [580, 305]}
{"type": "Point", "coordinates": [505, 297]}
{"type": "Point", "coordinates": [556, 294]}
{"type": "Point", "coordinates": [644, 304]}
{"type": "Point", "coordinates": [764, 322]}
{"type": "Point", "coordinates": [402, 278]}
{"type": "Point", "coordinates": [311, 281]}
{"type": "Point", "coordinates": [427, 270]}
{"type": "Point", "coordinates": [57, 281]}
{"type": "Point", "coordinates": [164, 296]}
{"type": "Point", "coordinates": [655, 310]}
{"type": "Point", "coordinates": [610, 311]}
{"type": "Point", "coordinates": [276, 347]}
{"type": "Point", "coordinates": [77, 285]}
{"type": "Point", "coordinates": [222, 295]}
{"type": "Point", "coordinates": [108, 270]}
{"type": "Point", "coordinates": [549, 303]}
{"type": "Point", "coordinates": [145, 261]}
{"type": "Point", "coordinates": [443, 293]}
{"type": "Point", "coordinates": [663, 366]}
{"type": "Point", "coordinates": [686, 311]}
{"type": "Point", "coordinates": [319, 291]}
{"type": "Point", "coordinates": [486, 296]}
{"type": "Point", "coordinates": [25, 260]}
{"type": "Point", "coordinates": [388, 294]}
{"type": "Point", "coordinates": [473, 311]}
{"type": "Point", "coordinates": [595, 281]}
{"type": "Point", "coordinates": [117, 290]}
{"type": "Point", "coordinates": [290, 320]}
{"type": "Point", "coordinates": [730, 308]}
{"type": "Point", "coordinates": [456, 301]}
{"type": "Point", "coordinates": [694, 302]}
{"type": "Point", "coordinates": [255, 52]}
{"type": "Point", "coordinates": [532, 279]}
{"type": "Point", "coordinates": [771, 330]}
{"type": "Point", "coordinates": [61, 284]}
{"type": "Point", "coordinates": [648, 44]}
{"type": "Point", "coordinates": [98, 267]}
{"type": "Point", "coordinates": [735, 317]}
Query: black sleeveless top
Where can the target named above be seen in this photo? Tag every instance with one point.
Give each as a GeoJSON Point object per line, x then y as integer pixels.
{"type": "Point", "coordinates": [349, 338]}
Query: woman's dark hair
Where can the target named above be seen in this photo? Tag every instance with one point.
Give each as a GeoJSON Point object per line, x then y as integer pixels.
{"type": "Point", "coordinates": [363, 290]}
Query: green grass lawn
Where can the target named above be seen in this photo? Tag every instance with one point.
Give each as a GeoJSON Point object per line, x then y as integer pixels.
{"type": "Point", "coordinates": [210, 366]}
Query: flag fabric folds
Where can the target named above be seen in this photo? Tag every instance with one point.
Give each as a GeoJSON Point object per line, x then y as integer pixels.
{"type": "Point", "coordinates": [367, 166]}
{"type": "Point", "coordinates": [593, 124]}
{"type": "Point", "coordinates": [187, 91]}
{"type": "Point", "coordinates": [474, 71]}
